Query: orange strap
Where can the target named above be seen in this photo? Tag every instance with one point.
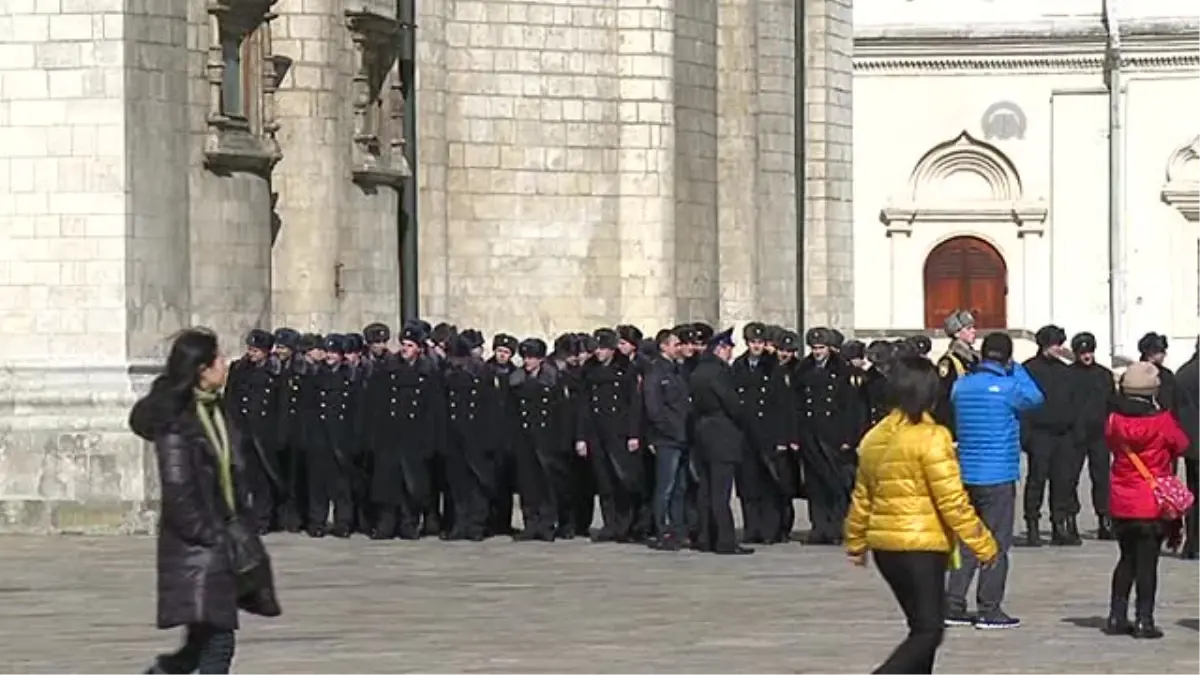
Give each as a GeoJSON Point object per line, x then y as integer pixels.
{"type": "Point", "coordinates": [1141, 467]}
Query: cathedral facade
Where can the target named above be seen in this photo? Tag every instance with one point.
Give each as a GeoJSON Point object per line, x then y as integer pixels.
{"type": "Point", "coordinates": [1017, 138]}
{"type": "Point", "coordinates": [526, 166]}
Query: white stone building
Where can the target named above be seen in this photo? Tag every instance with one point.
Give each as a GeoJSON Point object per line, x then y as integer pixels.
{"type": "Point", "coordinates": [982, 167]}
{"type": "Point", "coordinates": [521, 165]}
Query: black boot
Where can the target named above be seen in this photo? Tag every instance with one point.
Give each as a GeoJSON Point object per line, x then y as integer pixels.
{"type": "Point", "coordinates": [1145, 629]}
{"type": "Point", "coordinates": [1118, 619]}
{"type": "Point", "coordinates": [1058, 532]}
{"type": "Point", "coordinates": [1033, 537]}
{"type": "Point", "coordinates": [1072, 533]}
{"type": "Point", "coordinates": [1104, 531]}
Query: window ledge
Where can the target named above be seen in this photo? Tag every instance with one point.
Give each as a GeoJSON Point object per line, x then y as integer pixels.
{"type": "Point", "coordinates": [373, 175]}
{"type": "Point", "coordinates": [232, 148]}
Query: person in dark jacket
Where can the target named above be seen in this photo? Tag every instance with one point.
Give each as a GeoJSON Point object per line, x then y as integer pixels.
{"type": "Point", "coordinates": [665, 394]}
{"type": "Point", "coordinates": [1047, 434]}
{"type": "Point", "coordinates": [1187, 411]}
{"type": "Point", "coordinates": [720, 439]}
{"type": "Point", "coordinates": [1094, 388]}
{"type": "Point", "coordinates": [204, 489]}
{"type": "Point", "coordinates": [251, 395]}
{"type": "Point", "coordinates": [1153, 349]}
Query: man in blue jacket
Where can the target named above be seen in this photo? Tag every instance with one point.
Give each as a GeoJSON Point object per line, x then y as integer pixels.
{"type": "Point", "coordinates": [987, 403]}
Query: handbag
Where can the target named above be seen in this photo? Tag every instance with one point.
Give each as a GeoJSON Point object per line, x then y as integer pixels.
{"type": "Point", "coordinates": [1172, 496]}
{"type": "Point", "coordinates": [252, 573]}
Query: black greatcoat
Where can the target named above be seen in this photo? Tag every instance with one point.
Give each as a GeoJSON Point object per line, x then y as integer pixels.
{"type": "Point", "coordinates": [404, 429]}
{"type": "Point", "coordinates": [293, 375]}
{"type": "Point", "coordinates": [829, 428]}
{"type": "Point", "coordinates": [251, 405]}
{"type": "Point", "coordinates": [757, 475]}
{"type": "Point", "coordinates": [610, 414]}
{"type": "Point", "coordinates": [870, 385]}
{"type": "Point", "coordinates": [721, 430]}
{"type": "Point", "coordinates": [473, 433]}
{"type": "Point", "coordinates": [196, 583]}
{"type": "Point", "coordinates": [541, 449]}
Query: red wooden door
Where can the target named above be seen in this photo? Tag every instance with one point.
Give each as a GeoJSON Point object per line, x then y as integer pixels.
{"type": "Point", "coordinates": [966, 273]}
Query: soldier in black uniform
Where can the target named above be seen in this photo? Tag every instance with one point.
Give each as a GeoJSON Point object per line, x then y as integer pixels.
{"type": "Point", "coordinates": [251, 401]}
{"type": "Point", "coordinates": [721, 429]}
{"type": "Point", "coordinates": [439, 509]}
{"type": "Point", "coordinates": [960, 358]}
{"type": "Point", "coordinates": [694, 337]}
{"type": "Point", "coordinates": [757, 480]}
{"type": "Point", "coordinates": [785, 430]}
{"type": "Point", "coordinates": [359, 366]}
{"type": "Point", "coordinates": [473, 432]}
{"type": "Point", "coordinates": [576, 509]}
{"type": "Point", "coordinates": [881, 354]}
{"type": "Point", "coordinates": [1153, 349]}
{"type": "Point", "coordinates": [295, 365]}
{"type": "Point", "coordinates": [504, 346]}
{"type": "Point", "coordinates": [609, 425]}
{"type": "Point", "coordinates": [539, 415]}
{"type": "Point", "coordinates": [1094, 388]}
{"type": "Point", "coordinates": [828, 431]}
{"type": "Point", "coordinates": [406, 411]}
{"type": "Point", "coordinates": [868, 382]}
{"type": "Point", "coordinates": [921, 344]}
{"type": "Point", "coordinates": [1047, 435]}
{"type": "Point", "coordinates": [331, 438]}
{"type": "Point", "coordinates": [629, 343]}
{"type": "Point", "coordinates": [1187, 411]}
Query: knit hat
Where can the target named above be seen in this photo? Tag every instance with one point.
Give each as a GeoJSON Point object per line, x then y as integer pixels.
{"type": "Point", "coordinates": [1141, 379]}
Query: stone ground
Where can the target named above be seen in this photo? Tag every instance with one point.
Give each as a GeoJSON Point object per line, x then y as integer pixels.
{"type": "Point", "coordinates": [73, 604]}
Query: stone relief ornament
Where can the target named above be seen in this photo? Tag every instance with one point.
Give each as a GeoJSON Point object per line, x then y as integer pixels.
{"type": "Point", "coordinates": [1002, 121]}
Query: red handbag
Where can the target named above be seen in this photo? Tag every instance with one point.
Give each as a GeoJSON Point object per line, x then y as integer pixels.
{"type": "Point", "coordinates": [1172, 496]}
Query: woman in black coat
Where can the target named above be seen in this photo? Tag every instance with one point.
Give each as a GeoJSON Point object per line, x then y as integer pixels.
{"type": "Point", "coordinates": [203, 491]}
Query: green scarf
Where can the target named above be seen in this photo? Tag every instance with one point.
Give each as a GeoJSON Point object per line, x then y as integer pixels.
{"type": "Point", "coordinates": [214, 427]}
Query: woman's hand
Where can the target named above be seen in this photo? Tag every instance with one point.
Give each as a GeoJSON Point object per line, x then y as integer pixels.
{"type": "Point", "coordinates": [857, 559]}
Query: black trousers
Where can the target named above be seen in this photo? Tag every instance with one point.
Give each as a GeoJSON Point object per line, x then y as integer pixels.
{"type": "Point", "coordinates": [716, 514]}
{"type": "Point", "coordinates": [1053, 459]}
{"type": "Point", "coordinates": [500, 520]}
{"type": "Point", "coordinates": [399, 514]}
{"type": "Point", "coordinates": [917, 579]}
{"type": "Point", "coordinates": [205, 650]}
{"type": "Point", "coordinates": [539, 506]}
{"type": "Point", "coordinates": [829, 480]}
{"type": "Point", "coordinates": [1140, 542]}
{"type": "Point", "coordinates": [618, 498]}
{"type": "Point", "coordinates": [467, 494]}
{"type": "Point", "coordinates": [760, 499]}
{"type": "Point", "coordinates": [439, 510]}
{"type": "Point", "coordinates": [1191, 469]}
{"type": "Point", "coordinates": [330, 484]}
{"type": "Point", "coordinates": [580, 508]}
{"type": "Point", "coordinates": [262, 490]}
{"type": "Point", "coordinates": [292, 510]}
{"type": "Point", "coordinates": [1099, 462]}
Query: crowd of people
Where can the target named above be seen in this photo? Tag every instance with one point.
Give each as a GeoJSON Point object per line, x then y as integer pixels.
{"type": "Point", "coordinates": [934, 499]}
{"type": "Point", "coordinates": [418, 434]}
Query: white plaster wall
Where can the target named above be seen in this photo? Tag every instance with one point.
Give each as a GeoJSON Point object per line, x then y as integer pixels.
{"type": "Point", "coordinates": [1162, 115]}
{"type": "Point", "coordinates": [901, 117]}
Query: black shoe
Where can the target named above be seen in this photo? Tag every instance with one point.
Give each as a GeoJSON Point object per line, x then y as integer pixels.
{"type": "Point", "coordinates": [736, 550]}
{"type": "Point", "coordinates": [754, 538]}
{"type": "Point", "coordinates": [316, 532]}
{"type": "Point", "coordinates": [526, 535]}
{"type": "Point", "coordinates": [564, 532]}
{"type": "Point", "coordinates": [1117, 625]}
{"type": "Point", "coordinates": [818, 539]}
{"type": "Point", "coordinates": [1189, 553]}
{"type": "Point", "coordinates": [1145, 629]}
{"type": "Point", "coordinates": [408, 533]}
{"type": "Point", "coordinates": [1072, 532]}
{"type": "Point", "coordinates": [340, 531]}
{"type": "Point", "coordinates": [1104, 531]}
{"type": "Point", "coordinates": [996, 620]}
{"type": "Point", "coordinates": [605, 535]}
{"type": "Point", "coordinates": [1058, 532]}
{"type": "Point", "coordinates": [955, 619]}
{"type": "Point", "coordinates": [1033, 537]}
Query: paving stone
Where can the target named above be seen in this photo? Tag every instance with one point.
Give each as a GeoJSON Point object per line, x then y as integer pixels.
{"type": "Point", "coordinates": [73, 604]}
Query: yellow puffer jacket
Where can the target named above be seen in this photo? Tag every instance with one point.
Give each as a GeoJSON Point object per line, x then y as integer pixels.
{"type": "Point", "coordinates": [909, 496]}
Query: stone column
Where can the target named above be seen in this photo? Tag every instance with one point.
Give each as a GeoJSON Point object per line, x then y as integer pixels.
{"type": "Point", "coordinates": [737, 158]}
{"type": "Point", "coordinates": [646, 211]}
{"type": "Point", "coordinates": [828, 216]}
{"type": "Point", "coordinates": [310, 180]}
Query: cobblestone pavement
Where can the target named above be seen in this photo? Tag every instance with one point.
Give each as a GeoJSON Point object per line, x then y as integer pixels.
{"type": "Point", "coordinates": [71, 604]}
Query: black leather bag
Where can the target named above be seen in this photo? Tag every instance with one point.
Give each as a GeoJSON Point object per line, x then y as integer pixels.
{"type": "Point", "coordinates": [252, 570]}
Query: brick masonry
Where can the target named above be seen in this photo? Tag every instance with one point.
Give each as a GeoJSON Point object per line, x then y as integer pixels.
{"type": "Point", "coordinates": [582, 162]}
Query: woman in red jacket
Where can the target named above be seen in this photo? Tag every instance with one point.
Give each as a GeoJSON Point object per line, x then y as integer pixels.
{"type": "Point", "coordinates": [1139, 425]}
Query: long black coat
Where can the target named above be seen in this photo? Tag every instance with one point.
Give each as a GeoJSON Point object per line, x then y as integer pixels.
{"type": "Point", "coordinates": [1187, 403]}
{"type": "Point", "coordinates": [196, 582]}
{"type": "Point", "coordinates": [721, 423]}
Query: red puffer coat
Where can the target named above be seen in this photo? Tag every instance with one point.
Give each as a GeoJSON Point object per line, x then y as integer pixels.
{"type": "Point", "coordinates": [1157, 439]}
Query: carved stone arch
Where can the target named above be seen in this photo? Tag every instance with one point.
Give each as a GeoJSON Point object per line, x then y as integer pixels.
{"type": "Point", "coordinates": [1182, 189]}
{"type": "Point", "coordinates": [997, 195]}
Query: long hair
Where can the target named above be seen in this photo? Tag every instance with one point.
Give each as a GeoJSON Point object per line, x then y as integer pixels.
{"type": "Point", "coordinates": [913, 387]}
{"type": "Point", "coordinates": [172, 392]}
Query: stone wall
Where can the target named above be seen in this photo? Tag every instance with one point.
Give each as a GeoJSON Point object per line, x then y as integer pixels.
{"type": "Point", "coordinates": [828, 216]}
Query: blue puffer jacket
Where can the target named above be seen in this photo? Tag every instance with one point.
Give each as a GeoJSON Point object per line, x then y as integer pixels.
{"type": "Point", "coordinates": [987, 403]}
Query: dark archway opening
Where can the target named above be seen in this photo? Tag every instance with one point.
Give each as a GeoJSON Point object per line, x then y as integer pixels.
{"type": "Point", "coordinates": [966, 273]}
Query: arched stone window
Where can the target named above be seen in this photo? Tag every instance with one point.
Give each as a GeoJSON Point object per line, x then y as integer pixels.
{"type": "Point", "coordinates": [964, 180]}
{"type": "Point", "coordinates": [1182, 189]}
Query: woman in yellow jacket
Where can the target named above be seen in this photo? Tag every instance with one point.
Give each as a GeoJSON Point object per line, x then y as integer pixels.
{"type": "Point", "coordinates": [908, 508]}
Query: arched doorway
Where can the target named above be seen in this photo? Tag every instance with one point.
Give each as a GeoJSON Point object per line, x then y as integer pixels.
{"type": "Point", "coordinates": [966, 273]}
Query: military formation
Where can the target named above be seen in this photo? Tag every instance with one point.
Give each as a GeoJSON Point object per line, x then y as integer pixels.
{"type": "Point", "coordinates": [418, 434]}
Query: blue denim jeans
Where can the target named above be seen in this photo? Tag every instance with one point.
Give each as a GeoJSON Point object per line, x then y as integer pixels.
{"type": "Point", "coordinates": [669, 490]}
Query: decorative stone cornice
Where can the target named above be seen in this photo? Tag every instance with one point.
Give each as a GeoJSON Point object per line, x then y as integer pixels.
{"type": "Point", "coordinates": [1041, 47]}
{"type": "Point", "coordinates": [1029, 217]}
{"type": "Point", "coordinates": [1182, 189]}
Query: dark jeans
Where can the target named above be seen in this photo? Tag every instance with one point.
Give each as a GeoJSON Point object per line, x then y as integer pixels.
{"type": "Point", "coordinates": [996, 505]}
{"type": "Point", "coordinates": [917, 580]}
{"type": "Point", "coordinates": [1053, 458]}
{"type": "Point", "coordinates": [1140, 542]}
{"type": "Point", "coordinates": [205, 650]}
{"type": "Point", "coordinates": [1099, 461]}
{"type": "Point", "coordinates": [670, 487]}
